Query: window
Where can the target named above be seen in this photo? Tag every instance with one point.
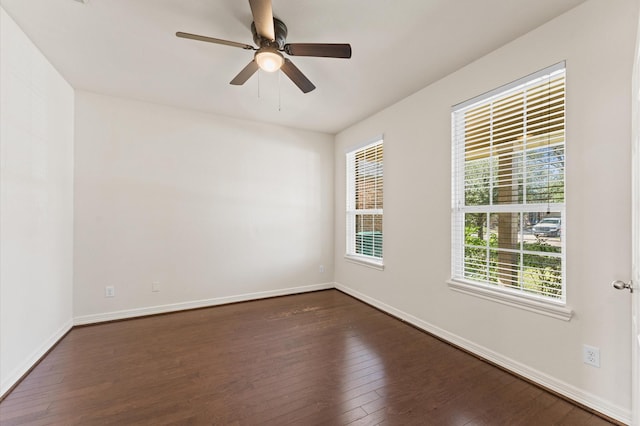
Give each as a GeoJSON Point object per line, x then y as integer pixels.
{"type": "Point", "coordinates": [364, 203]}
{"type": "Point", "coordinates": [508, 212]}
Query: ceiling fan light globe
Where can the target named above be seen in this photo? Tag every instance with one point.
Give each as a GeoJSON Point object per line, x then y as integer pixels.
{"type": "Point", "coordinates": [269, 60]}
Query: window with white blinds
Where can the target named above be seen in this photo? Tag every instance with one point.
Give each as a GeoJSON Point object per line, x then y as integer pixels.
{"type": "Point", "coordinates": [508, 212]}
{"type": "Point", "coordinates": [364, 202]}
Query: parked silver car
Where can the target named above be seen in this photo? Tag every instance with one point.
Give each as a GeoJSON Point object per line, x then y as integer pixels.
{"type": "Point", "coordinates": [547, 227]}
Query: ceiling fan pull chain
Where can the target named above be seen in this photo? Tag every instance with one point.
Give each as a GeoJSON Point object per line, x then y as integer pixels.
{"type": "Point", "coordinates": [279, 91]}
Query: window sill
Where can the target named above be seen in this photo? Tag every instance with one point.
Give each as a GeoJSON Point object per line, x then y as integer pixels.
{"type": "Point", "coordinates": [365, 262]}
{"type": "Point", "coordinates": [549, 309]}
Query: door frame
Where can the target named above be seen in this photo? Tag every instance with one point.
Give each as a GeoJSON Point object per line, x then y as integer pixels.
{"type": "Point", "coordinates": [635, 241]}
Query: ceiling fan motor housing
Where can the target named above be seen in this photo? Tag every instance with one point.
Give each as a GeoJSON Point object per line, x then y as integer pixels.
{"type": "Point", "coordinates": [280, 30]}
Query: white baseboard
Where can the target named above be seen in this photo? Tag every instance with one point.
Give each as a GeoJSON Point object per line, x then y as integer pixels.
{"type": "Point", "coordinates": [174, 307]}
{"type": "Point", "coordinates": [605, 407]}
{"type": "Point", "coordinates": [12, 378]}
{"type": "Point", "coordinates": [592, 401]}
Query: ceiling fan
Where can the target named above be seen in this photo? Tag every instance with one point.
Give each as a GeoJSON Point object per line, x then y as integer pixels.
{"type": "Point", "coordinates": [270, 34]}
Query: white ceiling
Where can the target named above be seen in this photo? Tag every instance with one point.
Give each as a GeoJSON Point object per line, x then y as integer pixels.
{"type": "Point", "coordinates": [128, 48]}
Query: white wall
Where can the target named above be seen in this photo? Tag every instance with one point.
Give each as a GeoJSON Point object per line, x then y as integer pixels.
{"type": "Point", "coordinates": [214, 209]}
{"type": "Point", "coordinates": [596, 40]}
{"type": "Point", "coordinates": [36, 206]}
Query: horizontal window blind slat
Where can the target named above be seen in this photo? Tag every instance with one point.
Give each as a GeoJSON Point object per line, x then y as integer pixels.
{"type": "Point", "coordinates": [508, 174]}
{"type": "Point", "coordinates": [365, 200]}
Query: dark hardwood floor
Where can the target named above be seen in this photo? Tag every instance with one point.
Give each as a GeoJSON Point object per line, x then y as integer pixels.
{"type": "Point", "coordinates": [315, 358]}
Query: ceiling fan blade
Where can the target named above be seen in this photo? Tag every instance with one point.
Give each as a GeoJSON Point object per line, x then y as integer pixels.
{"type": "Point", "coordinates": [263, 18]}
{"type": "Point", "coordinates": [214, 40]}
{"type": "Point", "coordinates": [324, 50]}
{"type": "Point", "coordinates": [297, 77]}
{"type": "Point", "coordinates": [244, 75]}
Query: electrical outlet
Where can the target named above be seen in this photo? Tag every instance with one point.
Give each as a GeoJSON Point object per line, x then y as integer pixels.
{"type": "Point", "coordinates": [591, 355]}
{"type": "Point", "coordinates": [321, 269]}
{"type": "Point", "coordinates": [109, 291]}
{"type": "Point", "coordinates": [155, 286]}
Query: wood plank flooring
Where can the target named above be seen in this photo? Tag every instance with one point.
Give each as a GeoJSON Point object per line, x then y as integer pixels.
{"type": "Point", "coordinates": [319, 358]}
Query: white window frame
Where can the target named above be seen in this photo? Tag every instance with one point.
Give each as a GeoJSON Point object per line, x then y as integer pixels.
{"type": "Point", "coordinates": [556, 308]}
{"type": "Point", "coordinates": [351, 211]}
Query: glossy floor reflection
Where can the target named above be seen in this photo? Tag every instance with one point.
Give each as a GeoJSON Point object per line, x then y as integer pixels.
{"type": "Point", "coordinates": [316, 358]}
